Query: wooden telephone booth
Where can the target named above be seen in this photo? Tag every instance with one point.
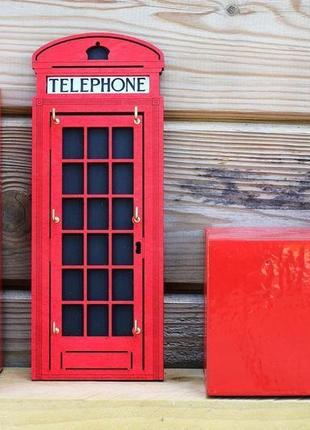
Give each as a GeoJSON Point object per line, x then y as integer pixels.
{"type": "Point", "coordinates": [97, 251]}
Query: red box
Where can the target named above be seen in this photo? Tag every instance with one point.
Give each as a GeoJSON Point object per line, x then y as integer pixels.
{"type": "Point", "coordinates": [258, 312]}
{"type": "Point", "coordinates": [97, 210]}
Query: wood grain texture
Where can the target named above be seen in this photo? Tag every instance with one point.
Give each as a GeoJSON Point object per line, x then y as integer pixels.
{"type": "Point", "coordinates": [216, 174]}
{"type": "Point", "coordinates": [181, 384]}
{"type": "Point", "coordinates": [178, 402]}
{"type": "Point", "coordinates": [16, 187]}
{"type": "Point", "coordinates": [183, 329]}
{"type": "Point", "coordinates": [253, 60]}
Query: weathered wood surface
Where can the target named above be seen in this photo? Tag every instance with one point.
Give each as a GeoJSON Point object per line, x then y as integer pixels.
{"type": "Point", "coordinates": [178, 402]}
{"type": "Point", "coordinates": [179, 384]}
{"type": "Point", "coordinates": [253, 57]}
{"type": "Point", "coordinates": [183, 329]}
{"type": "Point", "coordinates": [216, 174]}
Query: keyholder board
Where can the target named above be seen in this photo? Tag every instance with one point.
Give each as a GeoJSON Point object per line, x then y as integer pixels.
{"type": "Point", "coordinates": [97, 210]}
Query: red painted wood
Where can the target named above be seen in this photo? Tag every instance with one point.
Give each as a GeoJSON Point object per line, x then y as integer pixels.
{"type": "Point", "coordinates": [258, 300]}
{"type": "Point", "coordinates": [98, 361]}
{"type": "Point", "coordinates": [55, 356]}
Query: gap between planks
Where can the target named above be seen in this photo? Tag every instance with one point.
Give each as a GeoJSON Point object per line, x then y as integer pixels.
{"type": "Point", "coordinates": [200, 115]}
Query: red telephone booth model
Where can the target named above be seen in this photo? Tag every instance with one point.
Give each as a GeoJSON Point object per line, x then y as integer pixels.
{"type": "Point", "coordinates": [97, 251]}
{"type": "Point", "coordinates": [258, 312]}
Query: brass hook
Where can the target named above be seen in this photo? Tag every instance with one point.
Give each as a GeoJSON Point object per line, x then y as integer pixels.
{"type": "Point", "coordinates": [136, 120]}
{"type": "Point", "coordinates": [136, 329]}
{"type": "Point", "coordinates": [55, 218]}
{"type": "Point", "coordinates": [55, 328]}
{"type": "Point", "coordinates": [136, 218]}
{"type": "Point", "coordinates": [54, 118]}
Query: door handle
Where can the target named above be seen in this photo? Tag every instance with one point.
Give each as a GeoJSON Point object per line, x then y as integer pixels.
{"type": "Point", "coordinates": [55, 328]}
{"type": "Point", "coordinates": [136, 329]}
{"type": "Point", "coordinates": [55, 218]}
{"type": "Point", "coordinates": [136, 218]}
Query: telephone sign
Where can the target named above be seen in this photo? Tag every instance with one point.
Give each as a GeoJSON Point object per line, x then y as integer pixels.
{"type": "Point", "coordinates": [98, 85]}
{"type": "Point", "coordinates": [97, 261]}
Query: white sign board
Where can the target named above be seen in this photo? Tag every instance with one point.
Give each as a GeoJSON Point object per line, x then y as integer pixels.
{"type": "Point", "coordinates": [98, 85]}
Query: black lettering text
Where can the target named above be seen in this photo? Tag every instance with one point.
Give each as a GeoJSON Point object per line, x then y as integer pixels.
{"type": "Point", "coordinates": [94, 82]}
{"type": "Point", "coordinates": [84, 84]}
{"type": "Point", "coordinates": [53, 81]}
{"type": "Point", "coordinates": [130, 82]}
{"type": "Point", "coordinates": [72, 88]}
{"type": "Point", "coordinates": [141, 85]}
{"type": "Point", "coordinates": [105, 85]}
{"type": "Point", "coordinates": [63, 85]}
{"type": "Point", "coordinates": [118, 87]}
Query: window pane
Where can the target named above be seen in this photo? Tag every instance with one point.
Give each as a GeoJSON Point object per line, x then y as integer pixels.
{"type": "Point", "coordinates": [72, 214]}
{"type": "Point", "coordinates": [97, 179]}
{"type": "Point", "coordinates": [72, 249]}
{"type": "Point", "coordinates": [97, 320]}
{"type": "Point", "coordinates": [122, 214]}
{"type": "Point", "coordinates": [122, 284]}
{"type": "Point", "coordinates": [122, 142]}
{"type": "Point", "coordinates": [97, 284]}
{"type": "Point", "coordinates": [72, 284]}
{"type": "Point", "coordinates": [97, 142]}
{"type": "Point", "coordinates": [98, 214]}
{"type": "Point", "coordinates": [72, 139]}
{"type": "Point", "coordinates": [122, 320]}
{"type": "Point", "coordinates": [72, 320]}
{"type": "Point", "coordinates": [122, 252]}
{"type": "Point", "coordinates": [97, 249]}
{"type": "Point", "coordinates": [122, 178]}
{"type": "Point", "coordinates": [72, 179]}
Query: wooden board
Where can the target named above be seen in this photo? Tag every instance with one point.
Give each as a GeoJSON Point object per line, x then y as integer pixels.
{"type": "Point", "coordinates": [183, 329]}
{"type": "Point", "coordinates": [179, 402]}
{"type": "Point", "coordinates": [253, 58]}
{"type": "Point", "coordinates": [216, 174]}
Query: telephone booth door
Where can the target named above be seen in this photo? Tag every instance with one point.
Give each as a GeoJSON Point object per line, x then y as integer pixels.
{"type": "Point", "coordinates": [96, 243]}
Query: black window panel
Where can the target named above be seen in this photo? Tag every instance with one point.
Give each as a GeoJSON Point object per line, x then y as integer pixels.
{"type": "Point", "coordinates": [98, 214]}
{"type": "Point", "coordinates": [97, 320]}
{"type": "Point", "coordinates": [122, 213]}
{"type": "Point", "coordinates": [72, 284]}
{"type": "Point", "coordinates": [122, 249]}
{"type": "Point", "coordinates": [122, 142]}
{"type": "Point", "coordinates": [97, 284]}
{"type": "Point", "coordinates": [122, 178]}
{"type": "Point", "coordinates": [72, 214]}
{"type": "Point", "coordinates": [72, 142]}
{"type": "Point", "coordinates": [97, 142]}
{"type": "Point", "coordinates": [122, 320]}
{"type": "Point", "coordinates": [72, 178]}
{"type": "Point", "coordinates": [72, 249]}
{"type": "Point", "coordinates": [122, 284]}
{"type": "Point", "coordinates": [97, 249]}
{"type": "Point", "coordinates": [72, 320]}
{"type": "Point", "coordinates": [97, 179]}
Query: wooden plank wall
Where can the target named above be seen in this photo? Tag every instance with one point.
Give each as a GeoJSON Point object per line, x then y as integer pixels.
{"type": "Point", "coordinates": [237, 133]}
